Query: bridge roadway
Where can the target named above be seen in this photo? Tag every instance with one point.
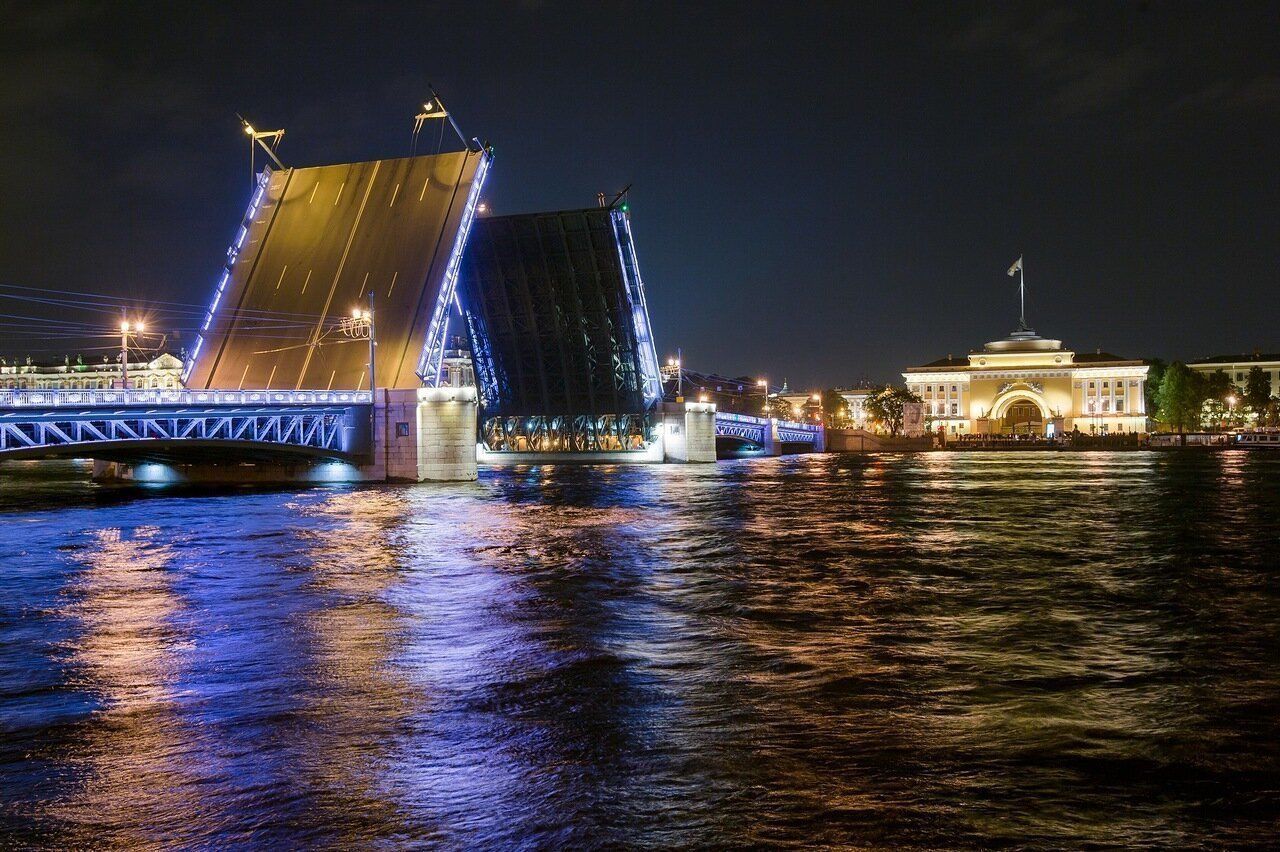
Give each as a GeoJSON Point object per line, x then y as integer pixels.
{"type": "Point", "coordinates": [185, 426]}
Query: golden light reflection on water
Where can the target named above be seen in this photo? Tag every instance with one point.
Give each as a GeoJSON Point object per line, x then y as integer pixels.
{"type": "Point", "coordinates": [126, 654]}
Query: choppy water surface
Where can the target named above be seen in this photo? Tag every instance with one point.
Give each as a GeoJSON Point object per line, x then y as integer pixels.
{"type": "Point", "coordinates": [956, 650]}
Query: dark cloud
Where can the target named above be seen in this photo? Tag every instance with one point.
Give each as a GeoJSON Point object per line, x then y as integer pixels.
{"type": "Point", "coordinates": [1056, 44]}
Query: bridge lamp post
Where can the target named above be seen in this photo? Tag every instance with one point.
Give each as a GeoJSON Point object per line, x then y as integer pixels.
{"type": "Point", "coordinates": [764, 407]}
{"type": "Point", "coordinates": [363, 320]}
{"type": "Point", "coordinates": [677, 363]}
{"type": "Point", "coordinates": [125, 328]}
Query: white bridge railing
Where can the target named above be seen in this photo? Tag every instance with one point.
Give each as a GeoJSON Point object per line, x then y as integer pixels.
{"type": "Point", "coordinates": [62, 398]}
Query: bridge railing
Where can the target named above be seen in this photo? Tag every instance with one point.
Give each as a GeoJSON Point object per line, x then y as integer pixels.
{"type": "Point", "coordinates": [65, 398]}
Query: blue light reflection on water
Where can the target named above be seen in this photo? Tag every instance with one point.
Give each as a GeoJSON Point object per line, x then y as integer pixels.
{"type": "Point", "coordinates": [1042, 650]}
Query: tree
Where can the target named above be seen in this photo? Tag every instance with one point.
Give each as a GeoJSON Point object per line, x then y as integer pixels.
{"type": "Point", "coordinates": [1257, 392]}
{"type": "Point", "coordinates": [780, 409]}
{"type": "Point", "coordinates": [1156, 369]}
{"type": "Point", "coordinates": [886, 404]}
{"type": "Point", "coordinates": [1181, 397]}
{"type": "Point", "coordinates": [835, 409]}
{"type": "Point", "coordinates": [1220, 398]}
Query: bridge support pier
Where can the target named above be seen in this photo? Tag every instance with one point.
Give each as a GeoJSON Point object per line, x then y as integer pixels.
{"type": "Point", "coordinates": [772, 443]}
{"type": "Point", "coordinates": [446, 434]}
{"type": "Point", "coordinates": [689, 432]}
{"type": "Point", "coordinates": [424, 434]}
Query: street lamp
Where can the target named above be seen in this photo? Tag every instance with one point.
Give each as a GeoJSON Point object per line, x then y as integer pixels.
{"type": "Point", "coordinates": [260, 137]}
{"type": "Point", "coordinates": [764, 408]}
{"type": "Point", "coordinates": [361, 325]}
{"type": "Point", "coordinates": [125, 328]}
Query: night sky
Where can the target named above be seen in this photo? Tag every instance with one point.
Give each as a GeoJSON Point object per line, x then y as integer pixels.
{"type": "Point", "coordinates": [823, 194]}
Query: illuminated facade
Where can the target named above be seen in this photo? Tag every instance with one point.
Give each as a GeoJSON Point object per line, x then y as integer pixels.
{"type": "Point", "coordinates": [1027, 384]}
{"type": "Point", "coordinates": [856, 399]}
{"type": "Point", "coordinates": [163, 372]}
{"type": "Point", "coordinates": [1237, 368]}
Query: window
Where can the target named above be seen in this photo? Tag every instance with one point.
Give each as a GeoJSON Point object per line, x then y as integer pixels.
{"type": "Point", "coordinates": [953, 388]}
{"type": "Point", "coordinates": [955, 409]}
{"type": "Point", "coordinates": [1119, 405]}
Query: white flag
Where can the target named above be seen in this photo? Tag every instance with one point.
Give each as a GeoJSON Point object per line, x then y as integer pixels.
{"type": "Point", "coordinates": [1017, 266]}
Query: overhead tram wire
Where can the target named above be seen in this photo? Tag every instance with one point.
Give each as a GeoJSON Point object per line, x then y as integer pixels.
{"type": "Point", "coordinates": [117, 302]}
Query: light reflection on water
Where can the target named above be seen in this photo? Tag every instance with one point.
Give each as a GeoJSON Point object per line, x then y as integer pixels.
{"type": "Point", "coordinates": [1039, 650]}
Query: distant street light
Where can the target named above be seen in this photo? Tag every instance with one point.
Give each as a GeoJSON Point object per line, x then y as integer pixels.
{"type": "Point", "coordinates": [764, 408]}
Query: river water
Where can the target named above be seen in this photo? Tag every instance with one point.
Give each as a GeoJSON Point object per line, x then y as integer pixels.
{"type": "Point", "coordinates": [936, 651]}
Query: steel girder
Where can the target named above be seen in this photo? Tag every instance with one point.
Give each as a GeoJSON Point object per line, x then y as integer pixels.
{"type": "Point", "coordinates": [321, 429]}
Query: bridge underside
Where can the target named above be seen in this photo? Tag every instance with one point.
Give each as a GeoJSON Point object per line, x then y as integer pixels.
{"type": "Point", "coordinates": [559, 333]}
{"type": "Point", "coordinates": [181, 453]}
{"type": "Point", "coordinates": [314, 243]}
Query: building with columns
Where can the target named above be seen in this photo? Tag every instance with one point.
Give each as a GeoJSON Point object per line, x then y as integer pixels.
{"type": "Point", "coordinates": [856, 400]}
{"type": "Point", "coordinates": [162, 371]}
{"type": "Point", "coordinates": [1027, 384]}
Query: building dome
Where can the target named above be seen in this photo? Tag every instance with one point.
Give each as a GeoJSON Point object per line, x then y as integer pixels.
{"type": "Point", "coordinates": [1023, 340]}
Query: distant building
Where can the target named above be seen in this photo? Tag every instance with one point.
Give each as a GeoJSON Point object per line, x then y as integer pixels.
{"type": "Point", "coordinates": [805, 405]}
{"type": "Point", "coordinates": [163, 371]}
{"type": "Point", "coordinates": [1237, 367]}
{"type": "Point", "coordinates": [1028, 384]}
{"type": "Point", "coordinates": [856, 399]}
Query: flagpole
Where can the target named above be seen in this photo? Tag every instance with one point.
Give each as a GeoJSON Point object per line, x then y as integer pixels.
{"type": "Point", "coordinates": [1022, 290]}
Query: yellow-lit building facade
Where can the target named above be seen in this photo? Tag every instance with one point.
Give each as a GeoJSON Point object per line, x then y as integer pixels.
{"type": "Point", "coordinates": [1026, 384]}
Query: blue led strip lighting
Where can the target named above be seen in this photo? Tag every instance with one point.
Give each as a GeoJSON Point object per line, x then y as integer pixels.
{"type": "Point", "coordinates": [233, 252]}
{"type": "Point", "coordinates": [429, 366]}
{"type": "Point", "coordinates": [639, 308]}
{"type": "Point", "coordinates": [482, 359]}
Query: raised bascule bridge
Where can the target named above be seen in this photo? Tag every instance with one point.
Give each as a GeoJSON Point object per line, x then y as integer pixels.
{"type": "Point", "coordinates": [322, 354]}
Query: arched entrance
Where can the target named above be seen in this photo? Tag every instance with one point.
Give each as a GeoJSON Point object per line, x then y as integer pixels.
{"type": "Point", "coordinates": [1021, 411]}
{"type": "Point", "coordinates": [1022, 418]}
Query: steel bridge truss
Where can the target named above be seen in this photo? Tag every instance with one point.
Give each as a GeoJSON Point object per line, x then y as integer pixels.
{"type": "Point", "coordinates": [756, 429]}
{"type": "Point", "coordinates": [323, 431]}
{"type": "Point", "coordinates": [568, 433]}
